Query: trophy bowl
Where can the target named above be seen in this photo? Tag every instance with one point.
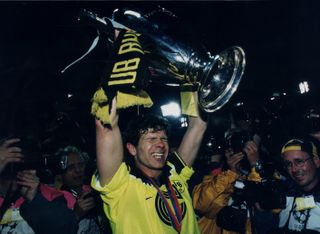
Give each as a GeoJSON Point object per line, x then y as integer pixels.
{"type": "Point", "coordinates": [222, 78]}
{"type": "Point", "coordinates": [173, 62]}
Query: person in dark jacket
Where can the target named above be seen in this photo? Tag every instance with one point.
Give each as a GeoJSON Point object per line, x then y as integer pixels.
{"type": "Point", "coordinates": [26, 206]}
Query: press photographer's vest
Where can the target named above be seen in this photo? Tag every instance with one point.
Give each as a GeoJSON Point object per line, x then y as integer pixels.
{"type": "Point", "coordinates": [297, 218]}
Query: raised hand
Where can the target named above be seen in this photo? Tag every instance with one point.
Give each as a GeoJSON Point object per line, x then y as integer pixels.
{"type": "Point", "coordinates": [9, 153]}
{"type": "Point", "coordinates": [109, 146]}
{"type": "Point", "coordinates": [233, 160]}
{"type": "Point", "coordinates": [191, 141]}
{"type": "Point", "coordinates": [252, 152]}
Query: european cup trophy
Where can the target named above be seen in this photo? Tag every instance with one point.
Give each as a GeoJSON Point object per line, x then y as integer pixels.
{"type": "Point", "coordinates": [175, 63]}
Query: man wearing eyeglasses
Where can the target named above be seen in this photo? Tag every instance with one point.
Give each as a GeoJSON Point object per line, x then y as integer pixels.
{"type": "Point", "coordinates": [302, 212]}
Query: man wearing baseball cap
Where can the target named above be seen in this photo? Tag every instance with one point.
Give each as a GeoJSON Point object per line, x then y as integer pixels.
{"type": "Point", "coordinates": [302, 212]}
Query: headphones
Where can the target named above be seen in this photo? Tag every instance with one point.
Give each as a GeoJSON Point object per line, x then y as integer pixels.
{"type": "Point", "coordinates": [62, 155]}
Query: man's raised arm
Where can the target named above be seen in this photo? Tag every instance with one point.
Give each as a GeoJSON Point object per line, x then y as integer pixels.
{"type": "Point", "coordinates": [109, 147]}
{"type": "Point", "coordinates": [192, 139]}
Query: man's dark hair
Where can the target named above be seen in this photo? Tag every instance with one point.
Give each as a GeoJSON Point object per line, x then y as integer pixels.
{"type": "Point", "coordinates": [140, 125]}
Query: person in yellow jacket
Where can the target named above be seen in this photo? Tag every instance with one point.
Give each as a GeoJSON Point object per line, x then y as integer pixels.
{"type": "Point", "coordinates": [215, 192]}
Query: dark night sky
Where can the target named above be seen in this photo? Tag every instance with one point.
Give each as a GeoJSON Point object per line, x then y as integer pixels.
{"type": "Point", "coordinates": [280, 38]}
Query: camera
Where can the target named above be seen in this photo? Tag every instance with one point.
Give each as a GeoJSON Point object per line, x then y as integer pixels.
{"type": "Point", "coordinates": [237, 139]}
{"type": "Point", "coordinates": [270, 194]}
{"type": "Point", "coordinates": [233, 217]}
{"type": "Point", "coordinates": [33, 159]}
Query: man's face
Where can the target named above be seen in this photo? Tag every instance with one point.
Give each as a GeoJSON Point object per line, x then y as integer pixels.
{"type": "Point", "coordinates": [152, 151]}
{"type": "Point", "coordinates": [302, 168]}
{"type": "Point", "coordinates": [74, 174]}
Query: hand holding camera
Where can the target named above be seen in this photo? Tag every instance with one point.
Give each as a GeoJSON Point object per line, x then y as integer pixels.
{"type": "Point", "coordinates": [252, 152]}
{"type": "Point", "coordinates": [84, 204]}
{"type": "Point", "coordinates": [233, 160]}
{"type": "Point", "coordinates": [29, 182]}
{"type": "Point", "coordinates": [241, 141]}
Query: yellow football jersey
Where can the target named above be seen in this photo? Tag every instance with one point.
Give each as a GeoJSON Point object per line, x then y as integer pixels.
{"type": "Point", "coordinates": [133, 205]}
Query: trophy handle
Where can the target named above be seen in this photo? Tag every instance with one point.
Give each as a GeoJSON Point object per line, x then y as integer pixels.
{"type": "Point", "coordinates": [222, 78]}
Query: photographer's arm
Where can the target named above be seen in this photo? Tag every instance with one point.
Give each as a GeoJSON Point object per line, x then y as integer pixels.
{"type": "Point", "coordinates": [109, 147]}
{"type": "Point", "coordinates": [191, 140]}
{"type": "Point", "coordinates": [213, 193]}
{"type": "Point", "coordinates": [29, 182]}
{"type": "Point", "coordinates": [253, 156]}
{"type": "Point", "coordinates": [252, 152]}
{"type": "Point", "coordinates": [9, 154]}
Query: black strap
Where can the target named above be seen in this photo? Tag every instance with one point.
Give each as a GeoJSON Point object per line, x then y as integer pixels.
{"type": "Point", "coordinates": [306, 221]}
{"type": "Point", "coordinates": [290, 212]}
{"type": "Point", "coordinates": [286, 227]}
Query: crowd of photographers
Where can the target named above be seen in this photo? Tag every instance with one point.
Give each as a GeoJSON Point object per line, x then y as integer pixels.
{"type": "Point", "coordinates": [254, 192]}
{"type": "Point", "coordinates": [63, 204]}
{"type": "Point", "coordinates": [242, 189]}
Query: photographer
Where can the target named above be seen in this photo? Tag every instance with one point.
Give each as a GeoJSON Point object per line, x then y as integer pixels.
{"type": "Point", "coordinates": [217, 192]}
{"type": "Point", "coordinates": [85, 202]}
{"type": "Point", "coordinates": [230, 202]}
{"type": "Point", "coordinates": [210, 161]}
{"type": "Point", "coordinates": [24, 207]}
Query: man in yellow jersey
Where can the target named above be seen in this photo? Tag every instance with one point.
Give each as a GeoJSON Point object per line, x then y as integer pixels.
{"type": "Point", "coordinates": [151, 194]}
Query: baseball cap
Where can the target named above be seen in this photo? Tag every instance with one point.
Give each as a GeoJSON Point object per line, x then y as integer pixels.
{"type": "Point", "coordinates": [301, 145]}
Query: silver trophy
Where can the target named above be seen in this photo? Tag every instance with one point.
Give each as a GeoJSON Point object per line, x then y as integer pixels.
{"type": "Point", "coordinates": [175, 63]}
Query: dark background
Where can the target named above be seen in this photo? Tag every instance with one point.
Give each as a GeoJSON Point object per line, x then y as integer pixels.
{"type": "Point", "coordinates": [38, 39]}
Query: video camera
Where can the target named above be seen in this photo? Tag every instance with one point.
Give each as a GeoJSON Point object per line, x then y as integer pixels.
{"type": "Point", "coordinates": [236, 139]}
{"type": "Point", "coordinates": [33, 159]}
{"type": "Point", "coordinates": [269, 194]}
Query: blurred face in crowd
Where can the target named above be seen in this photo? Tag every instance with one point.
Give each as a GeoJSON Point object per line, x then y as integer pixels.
{"type": "Point", "coordinates": [302, 168]}
{"type": "Point", "coordinates": [151, 152]}
{"type": "Point", "coordinates": [74, 175]}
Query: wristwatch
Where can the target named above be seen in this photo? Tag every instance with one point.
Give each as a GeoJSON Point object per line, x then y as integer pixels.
{"type": "Point", "coordinates": [257, 166]}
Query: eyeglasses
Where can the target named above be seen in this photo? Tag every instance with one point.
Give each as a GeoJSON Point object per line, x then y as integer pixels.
{"type": "Point", "coordinates": [296, 163]}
